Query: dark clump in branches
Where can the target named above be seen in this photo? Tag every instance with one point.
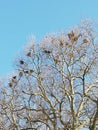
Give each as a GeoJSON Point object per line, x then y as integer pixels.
{"type": "Point", "coordinates": [47, 51]}
{"type": "Point", "coordinates": [21, 62]}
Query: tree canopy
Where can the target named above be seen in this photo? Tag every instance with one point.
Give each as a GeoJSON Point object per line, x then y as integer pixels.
{"type": "Point", "coordinates": [55, 84]}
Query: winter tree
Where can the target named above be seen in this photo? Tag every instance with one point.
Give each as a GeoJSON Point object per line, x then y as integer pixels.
{"type": "Point", "coordinates": [55, 84]}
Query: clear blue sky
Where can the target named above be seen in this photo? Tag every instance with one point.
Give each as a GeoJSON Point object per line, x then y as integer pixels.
{"type": "Point", "coordinates": [21, 18]}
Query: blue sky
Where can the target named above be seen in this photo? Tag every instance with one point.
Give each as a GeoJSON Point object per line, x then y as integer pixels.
{"type": "Point", "coordinates": [21, 18]}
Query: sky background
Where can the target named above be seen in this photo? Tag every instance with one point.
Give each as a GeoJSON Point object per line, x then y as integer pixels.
{"type": "Point", "coordinates": [21, 18]}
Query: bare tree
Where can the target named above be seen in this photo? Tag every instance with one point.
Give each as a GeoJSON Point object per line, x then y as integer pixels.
{"type": "Point", "coordinates": [56, 84]}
